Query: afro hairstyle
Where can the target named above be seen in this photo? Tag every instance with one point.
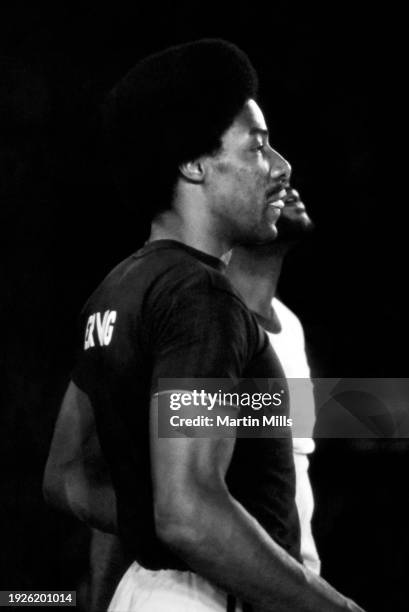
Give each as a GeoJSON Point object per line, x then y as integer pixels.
{"type": "Point", "coordinates": [172, 107]}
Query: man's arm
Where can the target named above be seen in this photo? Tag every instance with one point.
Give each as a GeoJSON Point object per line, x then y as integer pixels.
{"type": "Point", "coordinates": [196, 516]}
{"type": "Point", "coordinates": [76, 477]}
{"type": "Point", "coordinates": [304, 499]}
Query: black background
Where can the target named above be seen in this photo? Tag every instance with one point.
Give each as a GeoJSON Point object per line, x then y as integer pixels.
{"type": "Point", "coordinates": [328, 91]}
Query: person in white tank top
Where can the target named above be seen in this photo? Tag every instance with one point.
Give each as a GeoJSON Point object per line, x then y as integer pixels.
{"type": "Point", "coordinates": [255, 272]}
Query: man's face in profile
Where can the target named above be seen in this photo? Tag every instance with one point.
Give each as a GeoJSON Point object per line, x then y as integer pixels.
{"type": "Point", "coordinates": [245, 180]}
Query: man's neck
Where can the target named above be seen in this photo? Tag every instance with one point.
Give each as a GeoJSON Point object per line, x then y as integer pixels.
{"type": "Point", "coordinates": [256, 279]}
{"type": "Point", "coordinates": [194, 230]}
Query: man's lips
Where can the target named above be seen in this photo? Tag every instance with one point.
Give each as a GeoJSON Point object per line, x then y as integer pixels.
{"type": "Point", "coordinates": [276, 198]}
{"type": "Point", "coordinates": [292, 200]}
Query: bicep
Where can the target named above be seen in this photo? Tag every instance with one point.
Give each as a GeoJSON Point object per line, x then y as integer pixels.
{"type": "Point", "coordinates": [184, 468]}
{"type": "Point", "coordinates": [203, 334]}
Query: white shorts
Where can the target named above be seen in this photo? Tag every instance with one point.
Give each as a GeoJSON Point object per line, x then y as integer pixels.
{"type": "Point", "coordinates": [142, 590]}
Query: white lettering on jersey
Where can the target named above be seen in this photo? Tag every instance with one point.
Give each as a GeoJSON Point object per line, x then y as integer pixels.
{"type": "Point", "coordinates": [105, 328]}
{"type": "Point", "coordinates": [89, 341]}
{"type": "Point", "coordinates": [109, 327]}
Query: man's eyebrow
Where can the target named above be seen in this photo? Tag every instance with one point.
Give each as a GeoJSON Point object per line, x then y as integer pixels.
{"type": "Point", "coordinates": [257, 130]}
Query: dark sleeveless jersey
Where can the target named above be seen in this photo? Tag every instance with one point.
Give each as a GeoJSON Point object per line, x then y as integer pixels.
{"type": "Point", "coordinates": [168, 311]}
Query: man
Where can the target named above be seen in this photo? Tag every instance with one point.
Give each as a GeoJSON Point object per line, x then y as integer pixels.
{"type": "Point", "coordinates": [255, 271]}
{"type": "Point", "coordinates": [190, 510]}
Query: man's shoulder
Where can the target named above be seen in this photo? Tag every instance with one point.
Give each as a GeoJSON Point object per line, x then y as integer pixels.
{"type": "Point", "coordinates": [163, 278]}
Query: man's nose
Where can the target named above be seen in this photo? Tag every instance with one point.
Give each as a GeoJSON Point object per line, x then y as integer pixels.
{"type": "Point", "coordinates": [280, 168]}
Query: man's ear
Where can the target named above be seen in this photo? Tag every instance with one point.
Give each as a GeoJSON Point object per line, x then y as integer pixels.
{"type": "Point", "coordinates": [193, 171]}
